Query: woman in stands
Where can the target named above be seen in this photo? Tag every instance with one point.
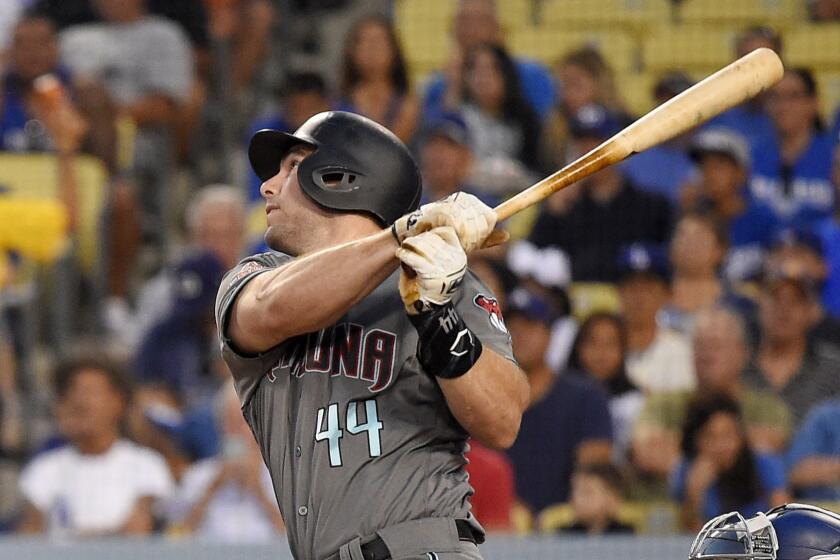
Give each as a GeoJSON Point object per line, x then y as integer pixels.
{"type": "Point", "coordinates": [585, 78]}
{"type": "Point", "coordinates": [599, 352]}
{"type": "Point", "coordinates": [719, 471]}
{"type": "Point", "coordinates": [791, 170]}
{"type": "Point", "coordinates": [374, 78]}
{"type": "Point", "coordinates": [504, 130]}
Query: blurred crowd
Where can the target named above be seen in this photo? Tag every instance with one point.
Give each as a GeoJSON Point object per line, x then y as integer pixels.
{"type": "Point", "coordinates": [676, 315]}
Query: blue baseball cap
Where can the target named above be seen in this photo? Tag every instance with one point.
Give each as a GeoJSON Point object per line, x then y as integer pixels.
{"type": "Point", "coordinates": [798, 236]}
{"type": "Point", "coordinates": [530, 304]}
{"type": "Point", "coordinates": [594, 121]}
{"type": "Point", "coordinates": [449, 125]}
{"type": "Point", "coordinates": [644, 259]}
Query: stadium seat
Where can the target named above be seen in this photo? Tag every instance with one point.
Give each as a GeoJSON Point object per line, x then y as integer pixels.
{"type": "Point", "coordinates": [636, 91]}
{"type": "Point", "coordinates": [516, 14]}
{"type": "Point", "coordinates": [778, 13]}
{"type": "Point", "coordinates": [814, 46]}
{"type": "Point", "coordinates": [548, 45]}
{"type": "Point", "coordinates": [423, 29]}
{"type": "Point", "coordinates": [692, 48]}
{"type": "Point", "coordinates": [35, 176]}
{"type": "Point", "coordinates": [828, 87]}
{"type": "Point", "coordinates": [589, 297]}
{"type": "Point", "coordinates": [633, 14]}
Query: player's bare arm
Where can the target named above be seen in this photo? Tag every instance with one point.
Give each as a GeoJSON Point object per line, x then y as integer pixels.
{"type": "Point", "coordinates": [489, 400]}
{"type": "Point", "coordinates": [292, 300]}
{"type": "Point", "coordinates": [486, 392]}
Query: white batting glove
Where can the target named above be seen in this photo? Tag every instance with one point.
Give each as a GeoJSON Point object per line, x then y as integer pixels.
{"type": "Point", "coordinates": [472, 220]}
{"type": "Point", "coordinates": [438, 262]}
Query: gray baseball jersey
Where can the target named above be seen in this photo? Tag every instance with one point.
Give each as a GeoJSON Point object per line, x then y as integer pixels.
{"type": "Point", "coordinates": [356, 435]}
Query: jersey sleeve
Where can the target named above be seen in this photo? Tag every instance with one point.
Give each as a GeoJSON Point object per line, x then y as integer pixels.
{"type": "Point", "coordinates": [480, 309]}
{"type": "Point", "coordinates": [247, 369]}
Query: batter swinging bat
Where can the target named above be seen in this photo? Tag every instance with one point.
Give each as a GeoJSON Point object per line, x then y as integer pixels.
{"type": "Point", "coordinates": [745, 78]}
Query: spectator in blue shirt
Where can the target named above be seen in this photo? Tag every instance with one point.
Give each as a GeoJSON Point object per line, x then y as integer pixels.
{"type": "Point", "coordinates": [568, 422]}
{"type": "Point", "coordinates": [792, 169]}
{"type": "Point", "coordinates": [814, 456]}
{"type": "Point", "coordinates": [724, 161]}
{"type": "Point", "coordinates": [719, 471]}
{"type": "Point", "coordinates": [664, 169]}
{"type": "Point", "coordinates": [750, 119]}
{"type": "Point", "coordinates": [475, 23]}
{"type": "Point", "coordinates": [828, 231]}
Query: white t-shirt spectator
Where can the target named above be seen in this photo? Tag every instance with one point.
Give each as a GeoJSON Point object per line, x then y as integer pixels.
{"type": "Point", "coordinates": [144, 57]}
{"type": "Point", "coordinates": [232, 515]}
{"type": "Point", "coordinates": [79, 493]}
{"type": "Point", "coordinates": [666, 365]}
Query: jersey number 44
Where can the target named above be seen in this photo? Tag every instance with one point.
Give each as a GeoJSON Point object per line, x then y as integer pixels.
{"type": "Point", "coordinates": [332, 432]}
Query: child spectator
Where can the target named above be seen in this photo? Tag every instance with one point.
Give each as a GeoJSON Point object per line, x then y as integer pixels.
{"type": "Point", "coordinates": [374, 78]}
{"type": "Point", "coordinates": [597, 494]}
{"type": "Point", "coordinates": [720, 472]}
{"type": "Point", "coordinates": [99, 483]}
{"type": "Point", "coordinates": [599, 353]}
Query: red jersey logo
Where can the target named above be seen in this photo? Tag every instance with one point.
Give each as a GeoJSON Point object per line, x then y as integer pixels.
{"type": "Point", "coordinates": [491, 306]}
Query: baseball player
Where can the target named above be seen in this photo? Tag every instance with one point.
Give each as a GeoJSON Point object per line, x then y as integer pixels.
{"type": "Point", "coordinates": [362, 379]}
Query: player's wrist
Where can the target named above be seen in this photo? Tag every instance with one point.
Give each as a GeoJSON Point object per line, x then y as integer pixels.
{"type": "Point", "coordinates": [446, 347]}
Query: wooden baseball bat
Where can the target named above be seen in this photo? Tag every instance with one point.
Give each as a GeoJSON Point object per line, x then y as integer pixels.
{"type": "Point", "coordinates": [745, 78]}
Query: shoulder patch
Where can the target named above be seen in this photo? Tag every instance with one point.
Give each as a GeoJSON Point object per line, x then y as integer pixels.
{"type": "Point", "coordinates": [248, 268]}
{"type": "Point", "coordinates": [494, 312]}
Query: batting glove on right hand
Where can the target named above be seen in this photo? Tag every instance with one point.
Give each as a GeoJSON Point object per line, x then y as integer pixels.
{"type": "Point", "coordinates": [437, 264]}
{"type": "Point", "coordinates": [472, 220]}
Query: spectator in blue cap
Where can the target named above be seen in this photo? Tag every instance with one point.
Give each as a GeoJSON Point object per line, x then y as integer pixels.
{"type": "Point", "coordinates": [801, 251]}
{"type": "Point", "coordinates": [594, 218]}
{"type": "Point", "coordinates": [724, 160]}
{"type": "Point", "coordinates": [446, 159]}
{"type": "Point", "coordinates": [658, 358]}
{"type": "Point", "coordinates": [178, 343]}
{"type": "Point", "coordinates": [568, 421]}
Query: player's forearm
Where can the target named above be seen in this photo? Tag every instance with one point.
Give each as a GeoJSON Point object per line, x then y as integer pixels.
{"type": "Point", "coordinates": [488, 401]}
{"type": "Point", "coordinates": [311, 292]}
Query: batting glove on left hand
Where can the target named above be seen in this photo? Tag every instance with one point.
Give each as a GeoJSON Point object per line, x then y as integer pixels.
{"type": "Point", "coordinates": [472, 220]}
{"type": "Point", "coordinates": [437, 264]}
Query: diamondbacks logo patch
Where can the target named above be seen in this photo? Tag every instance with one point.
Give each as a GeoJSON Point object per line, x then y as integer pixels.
{"type": "Point", "coordinates": [491, 306]}
{"type": "Point", "coordinates": [247, 268]}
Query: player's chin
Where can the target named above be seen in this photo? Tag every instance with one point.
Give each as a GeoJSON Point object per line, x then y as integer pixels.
{"type": "Point", "coordinates": [276, 240]}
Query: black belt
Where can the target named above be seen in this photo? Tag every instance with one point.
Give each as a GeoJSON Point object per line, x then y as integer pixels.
{"type": "Point", "coordinates": [378, 550]}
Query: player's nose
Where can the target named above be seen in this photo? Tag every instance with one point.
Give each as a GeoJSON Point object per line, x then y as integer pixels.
{"type": "Point", "coordinates": [269, 188]}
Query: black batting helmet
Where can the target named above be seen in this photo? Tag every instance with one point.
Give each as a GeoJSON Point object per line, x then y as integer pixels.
{"type": "Point", "coordinates": [357, 166]}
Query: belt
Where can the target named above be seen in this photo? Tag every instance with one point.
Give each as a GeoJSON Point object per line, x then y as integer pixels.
{"type": "Point", "coordinates": [378, 550]}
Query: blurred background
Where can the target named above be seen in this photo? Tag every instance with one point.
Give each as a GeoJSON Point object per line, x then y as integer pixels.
{"type": "Point", "coordinates": [677, 314]}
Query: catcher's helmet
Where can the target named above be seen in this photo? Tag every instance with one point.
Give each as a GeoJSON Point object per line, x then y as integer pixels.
{"type": "Point", "coordinates": [788, 532]}
{"type": "Point", "coordinates": [357, 166]}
